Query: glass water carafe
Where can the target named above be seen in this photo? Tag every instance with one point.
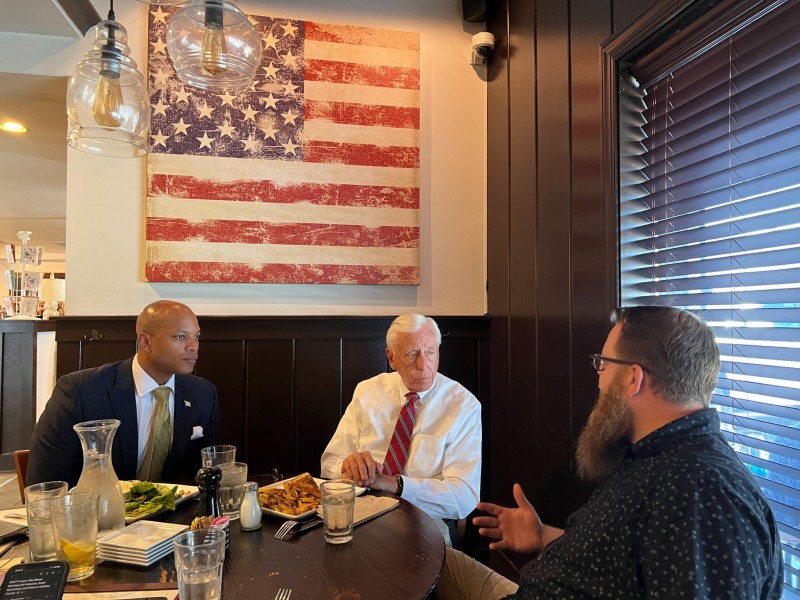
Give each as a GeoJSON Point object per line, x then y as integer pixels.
{"type": "Point", "coordinates": [98, 472]}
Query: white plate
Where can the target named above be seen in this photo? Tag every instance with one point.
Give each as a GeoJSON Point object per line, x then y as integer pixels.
{"type": "Point", "coordinates": [141, 537]}
{"type": "Point", "coordinates": [189, 491]}
{"type": "Point", "coordinates": [143, 558]}
{"type": "Point", "coordinates": [157, 549]}
{"type": "Point", "coordinates": [132, 560]}
{"type": "Point", "coordinates": [116, 553]}
{"type": "Point", "coordinates": [162, 550]}
{"type": "Point", "coordinates": [302, 516]}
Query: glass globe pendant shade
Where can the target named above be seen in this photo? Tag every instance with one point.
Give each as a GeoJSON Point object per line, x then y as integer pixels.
{"type": "Point", "coordinates": [213, 46]}
{"type": "Point", "coordinates": [108, 108]}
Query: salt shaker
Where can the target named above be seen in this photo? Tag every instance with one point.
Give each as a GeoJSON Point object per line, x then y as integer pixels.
{"type": "Point", "coordinates": [250, 510]}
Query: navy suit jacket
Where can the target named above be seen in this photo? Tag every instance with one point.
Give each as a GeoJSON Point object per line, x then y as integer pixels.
{"type": "Point", "coordinates": [109, 392]}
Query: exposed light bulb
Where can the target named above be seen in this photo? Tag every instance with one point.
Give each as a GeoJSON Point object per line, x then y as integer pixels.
{"type": "Point", "coordinates": [108, 97]}
{"type": "Point", "coordinates": [215, 50]}
{"type": "Point", "coordinates": [107, 101]}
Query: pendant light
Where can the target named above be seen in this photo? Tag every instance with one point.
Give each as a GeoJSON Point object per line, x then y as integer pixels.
{"type": "Point", "coordinates": [214, 46]}
{"type": "Point", "coordinates": [107, 102]}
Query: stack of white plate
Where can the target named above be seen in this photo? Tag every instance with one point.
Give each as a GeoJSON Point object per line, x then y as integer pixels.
{"type": "Point", "coordinates": [141, 543]}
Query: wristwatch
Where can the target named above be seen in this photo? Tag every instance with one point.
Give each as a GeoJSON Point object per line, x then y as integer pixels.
{"type": "Point", "coordinates": [399, 485]}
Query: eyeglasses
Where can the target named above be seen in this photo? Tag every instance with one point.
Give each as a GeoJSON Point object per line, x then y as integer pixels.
{"type": "Point", "coordinates": [598, 362]}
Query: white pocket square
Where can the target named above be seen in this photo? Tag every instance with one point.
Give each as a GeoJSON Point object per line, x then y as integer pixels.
{"type": "Point", "coordinates": [187, 403]}
{"type": "Point", "coordinates": [197, 433]}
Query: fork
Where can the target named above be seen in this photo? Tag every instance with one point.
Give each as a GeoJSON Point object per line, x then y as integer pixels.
{"type": "Point", "coordinates": [282, 532]}
{"type": "Point", "coordinates": [283, 594]}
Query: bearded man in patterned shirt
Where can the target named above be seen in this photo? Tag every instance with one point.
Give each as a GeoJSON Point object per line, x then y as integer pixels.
{"type": "Point", "coordinates": [677, 515]}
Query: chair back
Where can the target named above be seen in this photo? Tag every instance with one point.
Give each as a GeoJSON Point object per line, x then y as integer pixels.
{"type": "Point", "coordinates": [21, 465]}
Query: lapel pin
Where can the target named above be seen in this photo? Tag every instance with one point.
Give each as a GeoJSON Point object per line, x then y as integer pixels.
{"type": "Point", "coordinates": [187, 403]}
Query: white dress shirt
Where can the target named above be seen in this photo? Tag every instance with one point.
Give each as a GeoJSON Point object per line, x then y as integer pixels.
{"type": "Point", "coordinates": [145, 410]}
{"type": "Point", "coordinates": [443, 473]}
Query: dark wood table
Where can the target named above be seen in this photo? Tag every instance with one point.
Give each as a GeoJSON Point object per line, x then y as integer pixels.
{"type": "Point", "coordinates": [396, 556]}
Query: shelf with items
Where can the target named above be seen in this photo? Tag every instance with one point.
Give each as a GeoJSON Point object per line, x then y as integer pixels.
{"type": "Point", "coordinates": [22, 279]}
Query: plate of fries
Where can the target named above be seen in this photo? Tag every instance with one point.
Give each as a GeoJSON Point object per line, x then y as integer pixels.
{"type": "Point", "coordinates": [296, 498]}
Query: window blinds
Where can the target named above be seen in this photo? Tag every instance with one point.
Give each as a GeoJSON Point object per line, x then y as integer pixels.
{"type": "Point", "coordinates": [710, 222]}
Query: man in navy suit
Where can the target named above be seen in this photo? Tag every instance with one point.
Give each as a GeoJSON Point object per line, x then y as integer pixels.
{"type": "Point", "coordinates": [168, 338]}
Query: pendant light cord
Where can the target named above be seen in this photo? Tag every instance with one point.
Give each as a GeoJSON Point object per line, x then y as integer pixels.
{"type": "Point", "coordinates": [111, 17]}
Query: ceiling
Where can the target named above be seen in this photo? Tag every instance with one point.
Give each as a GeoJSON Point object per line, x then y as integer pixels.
{"type": "Point", "coordinates": [33, 166]}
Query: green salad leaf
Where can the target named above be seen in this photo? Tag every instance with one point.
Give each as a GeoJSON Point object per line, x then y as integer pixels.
{"type": "Point", "coordinates": [146, 498]}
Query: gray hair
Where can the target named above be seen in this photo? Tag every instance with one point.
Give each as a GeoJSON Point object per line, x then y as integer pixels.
{"type": "Point", "coordinates": [411, 323]}
{"type": "Point", "coordinates": [676, 348]}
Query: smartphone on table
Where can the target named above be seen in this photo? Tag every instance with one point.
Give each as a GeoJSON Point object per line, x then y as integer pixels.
{"type": "Point", "coordinates": [35, 581]}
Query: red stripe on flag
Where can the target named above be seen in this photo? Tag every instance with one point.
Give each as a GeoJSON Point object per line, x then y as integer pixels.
{"type": "Point", "coordinates": [362, 154]}
{"type": "Point", "coordinates": [217, 272]}
{"type": "Point", "coordinates": [358, 74]}
{"type": "Point", "coordinates": [362, 36]}
{"type": "Point", "coordinates": [299, 234]}
{"type": "Point", "coordinates": [371, 196]}
{"type": "Point", "coordinates": [350, 113]}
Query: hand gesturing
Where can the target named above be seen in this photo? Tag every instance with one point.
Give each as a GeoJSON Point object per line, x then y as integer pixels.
{"type": "Point", "coordinates": [519, 529]}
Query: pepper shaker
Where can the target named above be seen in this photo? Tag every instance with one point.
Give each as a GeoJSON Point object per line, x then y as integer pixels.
{"type": "Point", "coordinates": [208, 480]}
{"type": "Point", "coordinates": [250, 510]}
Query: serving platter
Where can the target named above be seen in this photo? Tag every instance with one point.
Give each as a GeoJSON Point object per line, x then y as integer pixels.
{"type": "Point", "coordinates": [303, 516]}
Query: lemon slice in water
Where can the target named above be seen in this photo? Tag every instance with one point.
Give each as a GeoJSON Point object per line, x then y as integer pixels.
{"type": "Point", "coordinates": [77, 552]}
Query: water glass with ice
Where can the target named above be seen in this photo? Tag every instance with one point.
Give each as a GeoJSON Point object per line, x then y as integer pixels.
{"type": "Point", "coordinates": [199, 556]}
{"type": "Point", "coordinates": [213, 456]}
{"type": "Point", "coordinates": [338, 501]}
{"type": "Point", "coordinates": [40, 524]}
{"type": "Point", "coordinates": [231, 492]}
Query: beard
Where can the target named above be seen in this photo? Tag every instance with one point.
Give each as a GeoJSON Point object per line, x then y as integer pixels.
{"type": "Point", "coordinates": [601, 444]}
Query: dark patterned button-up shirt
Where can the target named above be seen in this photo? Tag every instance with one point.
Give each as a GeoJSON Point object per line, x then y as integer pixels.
{"type": "Point", "coordinates": [681, 517]}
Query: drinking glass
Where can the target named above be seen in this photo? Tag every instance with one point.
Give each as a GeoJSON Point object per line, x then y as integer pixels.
{"type": "Point", "coordinates": [47, 489]}
{"type": "Point", "coordinates": [231, 492]}
{"type": "Point", "coordinates": [213, 456]}
{"type": "Point", "coordinates": [38, 498]}
{"type": "Point", "coordinates": [199, 555]}
{"type": "Point", "coordinates": [338, 501]}
{"type": "Point", "coordinates": [75, 531]}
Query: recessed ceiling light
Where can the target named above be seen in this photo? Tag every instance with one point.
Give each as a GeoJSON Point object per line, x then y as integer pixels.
{"type": "Point", "coordinates": [13, 127]}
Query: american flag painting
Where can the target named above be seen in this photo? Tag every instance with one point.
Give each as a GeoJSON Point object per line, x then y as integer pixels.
{"type": "Point", "coordinates": [310, 176]}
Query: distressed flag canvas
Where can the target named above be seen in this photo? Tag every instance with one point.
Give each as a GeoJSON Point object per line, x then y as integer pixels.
{"type": "Point", "coordinates": [310, 176]}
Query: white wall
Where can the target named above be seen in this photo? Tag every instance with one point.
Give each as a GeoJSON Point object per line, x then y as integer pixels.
{"type": "Point", "coordinates": [106, 197]}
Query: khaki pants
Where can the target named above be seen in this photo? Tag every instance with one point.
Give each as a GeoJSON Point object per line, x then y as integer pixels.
{"type": "Point", "coordinates": [464, 578]}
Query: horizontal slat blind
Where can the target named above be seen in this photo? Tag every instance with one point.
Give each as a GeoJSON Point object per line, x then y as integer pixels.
{"type": "Point", "coordinates": [710, 222]}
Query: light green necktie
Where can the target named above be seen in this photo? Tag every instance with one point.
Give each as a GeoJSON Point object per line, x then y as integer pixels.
{"type": "Point", "coordinates": [162, 433]}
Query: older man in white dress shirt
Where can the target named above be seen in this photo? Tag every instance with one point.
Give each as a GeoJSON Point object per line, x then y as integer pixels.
{"type": "Point", "coordinates": [440, 470]}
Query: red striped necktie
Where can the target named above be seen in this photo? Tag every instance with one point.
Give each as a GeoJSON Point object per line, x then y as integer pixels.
{"type": "Point", "coordinates": [401, 439]}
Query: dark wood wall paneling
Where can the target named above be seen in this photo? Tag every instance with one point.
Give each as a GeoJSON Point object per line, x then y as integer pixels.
{"type": "Point", "coordinates": [18, 347]}
{"type": "Point", "coordinates": [551, 257]}
{"type": "Point", "coordinates": [284, 383]}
